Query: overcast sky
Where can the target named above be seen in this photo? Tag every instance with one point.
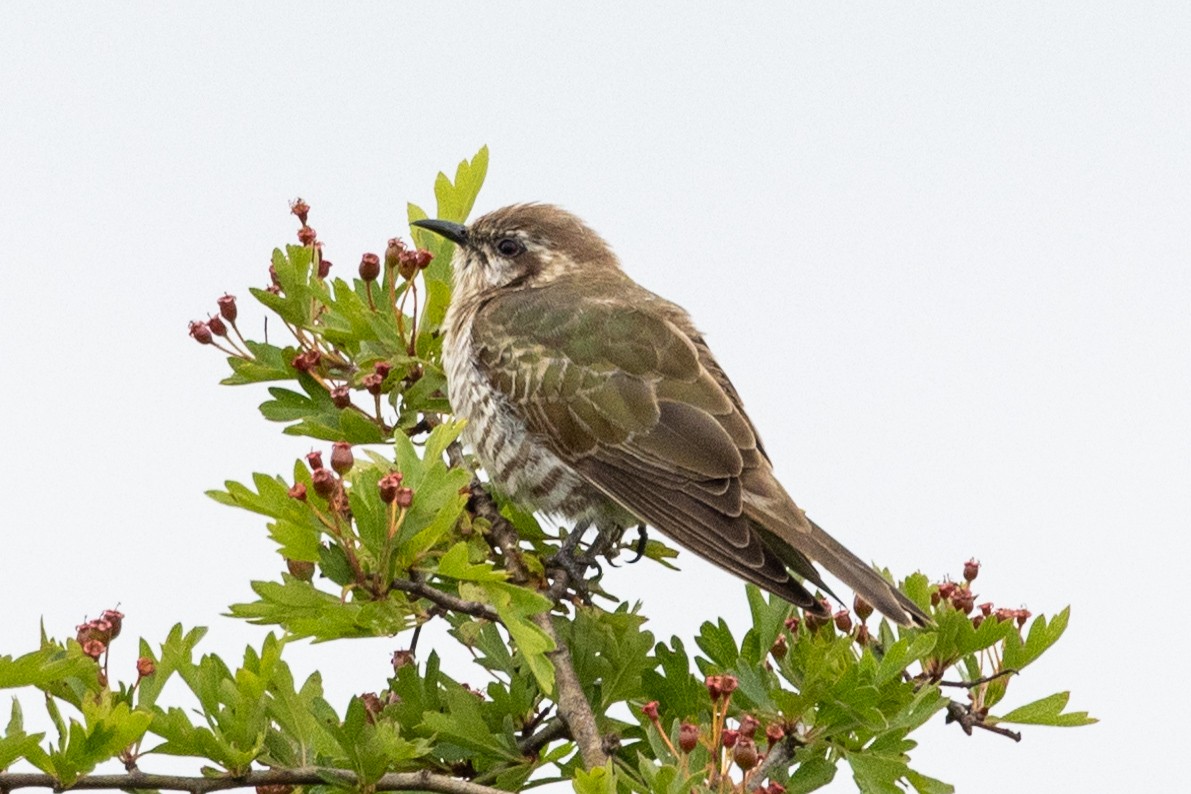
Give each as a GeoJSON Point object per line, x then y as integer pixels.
{"type": "Point", "coordinates": [943, 252]}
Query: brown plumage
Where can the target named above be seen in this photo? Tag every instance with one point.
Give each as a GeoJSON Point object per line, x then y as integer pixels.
{"type": "Point", "coordinates": [592, 398]}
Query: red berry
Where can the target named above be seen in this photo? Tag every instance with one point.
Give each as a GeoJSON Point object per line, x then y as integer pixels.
{"type": "Point", "coordinates": [341, 397]}
{"type": "Point", "coordinates": [369, 267]}
{"type": "Point", "coordinates": [745, 753]}
{"type": "Point", "coordinates": [372, 382]}
{"type": "Point", "coordinates": [216, 325]}
{"type": "Point", "coordinates": [315, 459]}
{"type": "Point", "coordinates": [393, 252]}
{"type": "Point", "coordinates": [300, 569]}
{"type": "Point", "coordinates": [298, 491]}
{"type": "Point", "coordinates": [963, 600]}
{"type": "Point", "coordinates": [306, 235]}
{"type": "Point", "coordinates": [843, 621]}
{"type": "Point", "coordinates": [688, 737]}
{"type": "Point", "coordinates": [389, 485]}
{"type": "Point", "coordinates": [201, 332]}
{"type": "Point", "coordinates": [730, 737]}
{"type": "Point", "coordinates": [227, 307]}
{"type": "Point", "coordinates": [748, 725]}
{"type": "Point", "coordinates": [324, 482]}
{"type": "Point", "coordinates": [862, 608]}
{"type": "Point", "coordinates": [116, 621]}
{"type": "Point", "coordinates": [774, 733]}
{"type": "Point", "coordinates": [971, 569]}
{"type": "Point", "coordinates": [299, 208]}
{"type": "Point", "coordinates": [145, 667]}
{"type": "Point", "coordinates": [650, 710]}
{"type": "Point", "coordinates": [342, 459]}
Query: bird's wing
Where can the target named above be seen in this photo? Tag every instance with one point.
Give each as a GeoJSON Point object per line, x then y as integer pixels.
{"type": "Point", "coordinates": [622, 394]}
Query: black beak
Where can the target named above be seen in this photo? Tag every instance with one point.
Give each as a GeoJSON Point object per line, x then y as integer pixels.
{"type": "Point", "coordinates": [455, 232]}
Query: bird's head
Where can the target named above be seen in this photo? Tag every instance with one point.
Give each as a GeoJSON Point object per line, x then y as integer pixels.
{"type": "Point", "coordinates": [523, 245]}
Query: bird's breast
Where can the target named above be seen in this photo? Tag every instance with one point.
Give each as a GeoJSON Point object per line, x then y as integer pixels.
{"type": "Point", "coordinates": [518, 463]}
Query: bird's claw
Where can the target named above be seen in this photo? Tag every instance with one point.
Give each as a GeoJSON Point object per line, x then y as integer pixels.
{"type": "Point", "coordinates": [642, 541]}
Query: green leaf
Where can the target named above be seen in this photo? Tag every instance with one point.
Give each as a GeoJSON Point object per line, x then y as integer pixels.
{"type": "Point", "coordinates": [1048, 711]}
{"type": "Point", "coordinates": [305, 611]}
{"type": "Point", "coordinates": [928, 785]}
{"type": "Point", "coordinates": [464, 724]}
{"type": "Point", "coordinates": [441, 438]}
{"type": "Point", "coordinates": [17, 744]}
{"type": "Point", "coordinates": [600, 780]}
{"type": "Point", "coordinates": [515, 605]}
{"type": "Point", "coordinates": [268, 363]}
{"type": "Point", "coordinates": [715, 640]}
{"type": "Point", "coordinates": [46, 666]}
{"type": "Point", "coordinates": [769, 618]}
{"type": "Point", "coordinates": [670, 682]}
{"type": "Point", "coordinates": [358, 429]}
{"type": "Point", "coordinates": [810, 774]}
{"type": "Point", "coordinates": [455, 202]}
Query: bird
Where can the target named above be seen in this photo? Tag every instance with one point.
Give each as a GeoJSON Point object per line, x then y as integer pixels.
{"type": "Point", "coordinates": [590, 398]}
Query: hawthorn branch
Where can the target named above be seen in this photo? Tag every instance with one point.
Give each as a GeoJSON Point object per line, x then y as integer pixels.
{"type": "Point", "coordinates": [302, 776]}
{"type": "Point", "coordinates": [573, 707]}
{"type": "Point", "coordinates": [780, 756]}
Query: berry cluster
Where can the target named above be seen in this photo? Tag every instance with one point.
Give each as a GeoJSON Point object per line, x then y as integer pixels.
{"type": "Point", "coordinates": [329, 484]}
{"type": "Point", "coordinates": [95, 637]}
{"type": "Point", "coordinates": [328, 365]}
{"type": "Point", "coordinates": [960, 597]}
{"type": "Point", "coordinates": [728, 746]}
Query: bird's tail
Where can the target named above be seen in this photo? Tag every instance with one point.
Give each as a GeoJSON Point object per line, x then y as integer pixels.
{"type": "Point", "coordinates": [798, 542]}
{"type": "Point", "coordinates": [864, 580]}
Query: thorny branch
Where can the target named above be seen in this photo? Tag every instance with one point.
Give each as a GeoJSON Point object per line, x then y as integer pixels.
{"type": "Point", "coordinates": [573, 707]}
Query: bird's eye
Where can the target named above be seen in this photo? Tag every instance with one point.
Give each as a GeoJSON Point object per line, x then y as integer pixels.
{"type": "Point", "coordinates": [507, 246]}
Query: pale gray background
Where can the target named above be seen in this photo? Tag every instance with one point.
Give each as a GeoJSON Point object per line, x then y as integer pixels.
{"type": "Point", "coordinates": [942, 249]}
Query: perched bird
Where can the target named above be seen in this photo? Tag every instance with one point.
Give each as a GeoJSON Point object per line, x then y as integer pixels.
{"type": "Point", "coordinates": [591, 398]}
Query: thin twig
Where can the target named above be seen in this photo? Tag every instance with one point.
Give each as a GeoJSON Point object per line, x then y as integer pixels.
{"type": "Point", "coordinates": [968, 719]}
{"type": "Point", "coordinates": [986, 679]}
{"type": "Point", "coordinates": [303, 776]}
{"type": "Point", "coordinates": [445, 600]}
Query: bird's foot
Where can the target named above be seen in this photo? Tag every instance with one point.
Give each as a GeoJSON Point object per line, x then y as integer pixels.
{"type": "Point", "coordinates": [574, 563]}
